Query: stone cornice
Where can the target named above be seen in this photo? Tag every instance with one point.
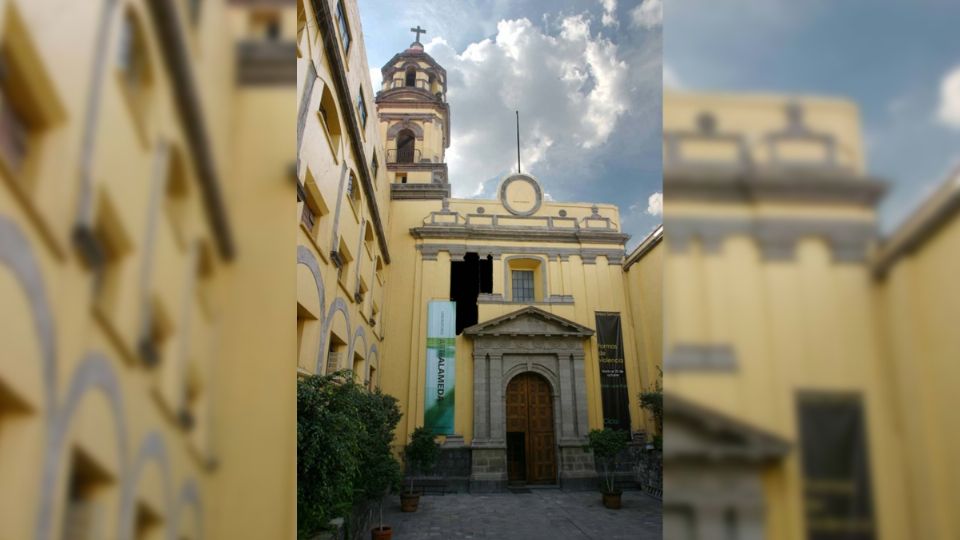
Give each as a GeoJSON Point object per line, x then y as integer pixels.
{"type": "Point", "coordinates": [401, 192]}
{"type": "Point", "coordinates": [793, 185]}
{"type": "Point", "coordinates": [587, 255]}
{"type": "Point", "coordinates": [492, 327]}
{"type": "Point", "coordinates": [266, 63]}
{"type": "Point", "coordinates": [531, 234]}
{"type": "Point", "coordinates": [777, 237]}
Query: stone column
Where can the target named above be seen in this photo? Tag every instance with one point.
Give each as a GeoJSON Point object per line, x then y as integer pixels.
{"type": "Point", "coordinates": [567, 392]}
{"type": "Point", "coordinates": [481, 398]}
{"type": "Point", "coordinates": [580, 393]}
{"type": "Point", "coordinates": [577, 469]}
{"type": "Point", "coordinates": [497, 407]}
{"type": "Point", "coordinates": [488, 460]}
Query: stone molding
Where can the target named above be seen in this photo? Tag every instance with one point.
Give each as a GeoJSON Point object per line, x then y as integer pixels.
{"type": "Point", "coordinates": [405, 122]}
{"type": "Point", "coordinates": [777, 236]}
{"type": "Point", "coordinates": [436, 190]}
{"type": "Point", "coordinates": [266, 63]}
{"type": "Point", "coordinates": [468, 232]}
{"type": "Point", "coordinates": [588, 255]}
{"type": "Point", "coordinates": [698, 357]}
{"type": "Point", "coordinates": [505, 201]}
{"type": "Point", "coordinates": [497, 298]}
{"type": "Point", "coordinates": [764, 184]}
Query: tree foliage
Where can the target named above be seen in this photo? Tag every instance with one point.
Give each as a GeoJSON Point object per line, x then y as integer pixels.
{"type": "Point", "coordinates": [343, 448]}
{"type": "Point", "coordinates": [606, 444]}
{"type": "Point", "coordinates": [421, 453]}
{"type": "Point", "coordinates": [652, 400]}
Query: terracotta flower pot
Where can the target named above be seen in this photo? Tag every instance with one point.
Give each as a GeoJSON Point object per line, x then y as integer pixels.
{"type": "Point", "coordinates": [381, 533]}
{"type": "Point", "coordinates": [409, 502]}
{"type": "Point", "coordinates": [612, 500]}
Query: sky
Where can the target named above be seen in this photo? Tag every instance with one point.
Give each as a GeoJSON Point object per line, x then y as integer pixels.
{"type": "Point", "coordinates": [584, 74]}
{"type": "Point", "coordinates": [899, 60]}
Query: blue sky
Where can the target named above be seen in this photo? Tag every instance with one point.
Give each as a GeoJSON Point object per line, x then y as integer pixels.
{"type": "Point", "coordinates": [585, 75]}
{"type": "Point", "coordinates": [894, 59]}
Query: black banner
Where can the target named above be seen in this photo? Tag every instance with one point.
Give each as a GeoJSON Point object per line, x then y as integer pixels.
{"type": "Point", "coordinates": [613, 375]}
{"type": "Point", "coordinates": [836, 471]}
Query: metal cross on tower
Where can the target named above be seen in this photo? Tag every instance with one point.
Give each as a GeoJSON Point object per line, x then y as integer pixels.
{"type": "Point", "coordinates": [418, 31]}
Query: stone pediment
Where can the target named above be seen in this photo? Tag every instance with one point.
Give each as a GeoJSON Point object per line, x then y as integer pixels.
{"type": "Point", "coordinates": [698, 433]}
{"type": "Point", "coordinates": [529, 321]}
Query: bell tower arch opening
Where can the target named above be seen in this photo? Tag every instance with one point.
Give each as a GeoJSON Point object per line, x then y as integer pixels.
{"type": "Point", "coordinates": [411, 77]}
{"type": "Point", "coordinates": [406, 146]}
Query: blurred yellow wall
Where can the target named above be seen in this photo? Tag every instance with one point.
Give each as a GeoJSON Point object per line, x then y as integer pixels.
{"type": "Point", "coordinates": [772, 263]}
{"type": "Point", "coordinates": [144, 176]}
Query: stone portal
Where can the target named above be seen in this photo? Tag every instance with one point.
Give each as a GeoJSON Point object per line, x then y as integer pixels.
{"type": "Point", "coordinates": [530, 343]}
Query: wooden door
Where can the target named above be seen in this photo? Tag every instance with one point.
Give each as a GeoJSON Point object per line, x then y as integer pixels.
{"type": "Point", "coordinates": [531, 447]}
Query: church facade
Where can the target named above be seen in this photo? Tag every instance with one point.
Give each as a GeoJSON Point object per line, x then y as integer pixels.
{"type": "Point", "coordinates": [507, 326]}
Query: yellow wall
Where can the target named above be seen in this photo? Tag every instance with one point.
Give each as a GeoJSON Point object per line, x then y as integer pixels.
{"type": "Point", "coordinates": [804, 323]}
{"type": "Point", "coordinates": [326, 162]}
{"type": "Point", "coordinates": [73, 376]}
{"type": "Point", "coordinates": [918, 303]}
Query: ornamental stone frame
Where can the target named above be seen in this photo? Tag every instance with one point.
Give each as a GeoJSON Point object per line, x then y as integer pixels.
{"type": "Point", "coordinates": [529, 340]}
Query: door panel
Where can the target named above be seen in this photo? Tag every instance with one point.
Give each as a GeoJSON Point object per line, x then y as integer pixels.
{"type": "Point", "coordinates": [530, 424]}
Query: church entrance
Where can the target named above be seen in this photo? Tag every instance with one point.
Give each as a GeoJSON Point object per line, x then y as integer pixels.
{"type": "Point", "coordinates": [531, 444]}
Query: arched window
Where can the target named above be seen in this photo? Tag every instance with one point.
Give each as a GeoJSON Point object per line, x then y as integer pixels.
{"type": "Point", "coordinates": [405, 146]}
{"type": "Point", "coordinates": [411, 77]}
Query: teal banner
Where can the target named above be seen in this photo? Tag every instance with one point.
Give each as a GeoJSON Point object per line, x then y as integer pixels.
{"type": "Point", "coordinates": [441, 375]}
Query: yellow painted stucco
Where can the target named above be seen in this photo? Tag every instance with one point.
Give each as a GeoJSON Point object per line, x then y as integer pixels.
{"type": "Point", "coordinates": [809, 321]}
{"type": "Point", "coordinates": [142, 318]}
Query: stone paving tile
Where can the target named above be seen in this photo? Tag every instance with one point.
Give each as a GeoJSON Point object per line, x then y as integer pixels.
{"type": "Point", "coordinates": [547, 514]}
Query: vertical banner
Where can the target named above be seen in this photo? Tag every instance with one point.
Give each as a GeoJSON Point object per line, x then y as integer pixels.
{"type": "Point", "coordinates": [440, 379]}
{"type": "Point", "coordinates": [613, 373]}
{"type": "Point", "coordinates": [836, 468]}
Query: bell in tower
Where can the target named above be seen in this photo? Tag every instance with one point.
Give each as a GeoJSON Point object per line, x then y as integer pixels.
{"type": "Point", "coordinates": [415, 123]}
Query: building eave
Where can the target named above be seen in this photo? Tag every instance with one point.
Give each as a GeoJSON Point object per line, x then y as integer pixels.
{"type": "Point", "coordinates": [932, 215]}
{"type": "Point", "coordinates": [646, 245]}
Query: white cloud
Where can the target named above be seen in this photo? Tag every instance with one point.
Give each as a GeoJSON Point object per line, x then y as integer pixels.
{"type": "Point", "coordinates": [949, 111]}
{"type": "Point", "coordinates": [648, 14]}
{"type": "Point", "coordinates": [609, 13]}
{"type": "Point", "coordinates": [571, 89]}
{"type": "Point", "coordinates": [655, 204]}
{"type": "Point", "coordinates": [670, 78]}
{"type": "Point", "coordinates": [376, 79]}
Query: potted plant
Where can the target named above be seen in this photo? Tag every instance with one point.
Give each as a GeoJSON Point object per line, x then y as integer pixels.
{"type": "Point", "coordinates": [606, 444]}
{"type": "Point", "coordinates": [421, 454]}
{"type": "Point", "coordinates": [390, 474]}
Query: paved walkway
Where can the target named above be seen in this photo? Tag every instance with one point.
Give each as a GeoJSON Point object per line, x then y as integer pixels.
{"type": "Point", "coordinates": [548, 514]}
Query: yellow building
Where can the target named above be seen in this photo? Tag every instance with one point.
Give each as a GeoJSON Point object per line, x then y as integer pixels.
{"type": "Point", "coordinates": [139, 392]}
{"type": "Point", "coordinates": [383, 248]}
{"type": "Point", "coordinates": [797, 405]}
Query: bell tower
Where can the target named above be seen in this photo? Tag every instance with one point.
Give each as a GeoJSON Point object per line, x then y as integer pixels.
{"type": "Point", "coordinates": [415, 123]}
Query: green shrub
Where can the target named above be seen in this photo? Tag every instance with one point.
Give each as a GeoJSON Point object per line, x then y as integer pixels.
{"type": "Point", "coordinates": [606, 444]}
{"type": "Point", "coordinates": [421, 453]}
{"type": "Point", "coordinates": [380, 471]}
{"type": "Point", "coordinates": [652, 400]}
{"type": "Point", "coordinates": [343, 448]}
